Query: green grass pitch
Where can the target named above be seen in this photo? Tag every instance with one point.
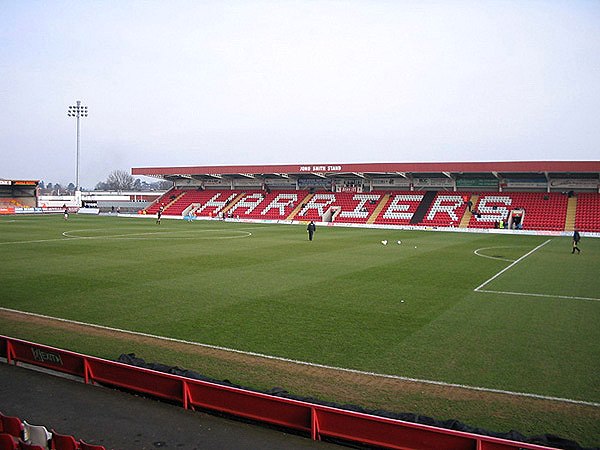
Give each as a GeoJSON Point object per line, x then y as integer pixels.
{"type": "Point", "coordinates": [342, 300]}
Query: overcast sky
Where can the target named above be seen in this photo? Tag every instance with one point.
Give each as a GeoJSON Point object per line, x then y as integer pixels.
{"type": "Point", "coordinates": [174, 83]}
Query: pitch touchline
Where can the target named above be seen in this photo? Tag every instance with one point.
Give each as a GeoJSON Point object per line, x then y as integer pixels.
{"type": "Point", "coordinates": [510, 265]}
{"type": "Point", "coordinates": [322, 366]}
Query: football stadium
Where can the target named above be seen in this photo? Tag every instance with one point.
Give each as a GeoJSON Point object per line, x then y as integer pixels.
{"type": "Point", "coordinates": [435, 305]}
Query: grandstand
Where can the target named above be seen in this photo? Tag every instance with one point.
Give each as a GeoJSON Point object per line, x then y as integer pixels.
{"type": "Point", "coordinates": [538, 196]}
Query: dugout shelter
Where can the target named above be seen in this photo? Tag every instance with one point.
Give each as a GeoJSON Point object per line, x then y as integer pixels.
{"type": "Point", "coordinates": [16, 194]}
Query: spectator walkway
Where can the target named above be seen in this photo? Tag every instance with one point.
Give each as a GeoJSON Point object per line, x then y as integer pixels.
{"type": "Point", "coordinates": [118, 420]}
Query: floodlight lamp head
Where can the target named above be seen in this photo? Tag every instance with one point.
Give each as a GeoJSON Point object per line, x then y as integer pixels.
{"type": "Point", "coordinates": [77, 111]}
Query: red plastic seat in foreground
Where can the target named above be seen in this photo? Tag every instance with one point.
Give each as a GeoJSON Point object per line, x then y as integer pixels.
{"type": "Point", "coordinates": [26, 446]}
{"type": "Point", "coordinates": [63, 442]}
{"type": "Point", "coordinates": [12, 425]}
{"type": "Point", "coordinates": [85, 446]}
{"type": "Point", "coordinates": [7, 442]}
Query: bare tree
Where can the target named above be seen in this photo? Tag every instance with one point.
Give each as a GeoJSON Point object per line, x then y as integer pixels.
{"type": "Point", "coordinates": [119, 180]}
{"type": "Point", "coordinates": [165, 185]}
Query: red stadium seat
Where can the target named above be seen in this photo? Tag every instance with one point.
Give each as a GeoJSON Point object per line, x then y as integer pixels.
{"type": "Point", "coordinates": [543, 210]}
{"type": "Point", "coordinates": [85, 446]}
{"type": "Point", "coordinates": [26, 446]}
{"type": "Point", "coordinates": [63, 442]}
{"type": "Point", "coordinates": [587, 217]}
{"type": "Point", "coordinates": [7, 442]}
{"type": "Point", "coordinates": [12, 425]}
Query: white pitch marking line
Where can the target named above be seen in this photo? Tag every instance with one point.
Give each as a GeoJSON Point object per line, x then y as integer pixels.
{"type": "Point", "coordinates": [33, 241]}
{"type": "Point", "coordinates": [510, 265]}
{"type": "Point", "coordinates": [492, 257]}
{"type": "Point", "coordinates": [148, 233]}
{"type": "Point", "coordinates": [568, 297]}
{"type": "Point", "coordinates": [69, 237]}
{"type": "Point", "coordinates": [277, 358]}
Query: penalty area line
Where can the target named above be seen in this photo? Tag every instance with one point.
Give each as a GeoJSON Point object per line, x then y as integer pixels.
{"type": "Point", "coordinates": [308, 364]}
{"type": "Point", "coordinates": [568, 297]}
{"type": "Point", "coordinates": [511, 265]}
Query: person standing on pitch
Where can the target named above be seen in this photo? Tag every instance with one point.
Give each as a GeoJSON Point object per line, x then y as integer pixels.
{"type": "Point", "coordinates": [576, 239]}
{"type": "Point", "coordinates": [311, 228]}
{"type": "Point", "coordinates": [159, 214]}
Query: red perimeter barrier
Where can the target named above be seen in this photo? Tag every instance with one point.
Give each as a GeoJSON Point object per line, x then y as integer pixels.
{"type": "Point", "coordinates": [316, 420]}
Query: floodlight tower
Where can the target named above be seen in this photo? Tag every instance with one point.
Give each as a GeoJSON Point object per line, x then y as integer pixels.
{"type": "Point", "coordinates": [77, 111]}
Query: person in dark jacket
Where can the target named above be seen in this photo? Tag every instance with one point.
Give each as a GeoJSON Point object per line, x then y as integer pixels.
{"type": "Point", "coordinates": [576, 239]}
{"type": "Point", "coordinates": [311, 228]}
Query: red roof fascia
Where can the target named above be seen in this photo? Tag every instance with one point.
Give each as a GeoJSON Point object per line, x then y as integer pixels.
{"type": "Point", "coordinates": [426, 167]}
